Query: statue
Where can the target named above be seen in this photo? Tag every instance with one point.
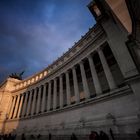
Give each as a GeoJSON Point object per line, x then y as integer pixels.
{"type": "Point", "coordinates": [16, 75]}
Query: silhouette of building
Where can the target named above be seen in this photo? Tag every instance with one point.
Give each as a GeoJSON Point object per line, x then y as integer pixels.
{"type": "Point", "coordinates": [95, 85]}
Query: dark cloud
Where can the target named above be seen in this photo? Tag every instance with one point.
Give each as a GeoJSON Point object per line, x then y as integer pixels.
{"type": "Point", "coordinates": [33, 33]}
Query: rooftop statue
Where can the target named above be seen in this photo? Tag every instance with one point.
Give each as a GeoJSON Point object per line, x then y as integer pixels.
{"type": "Point", "coordinates": [16, 75]}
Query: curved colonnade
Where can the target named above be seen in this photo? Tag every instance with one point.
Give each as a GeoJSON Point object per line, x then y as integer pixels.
{"type": "Point", "coordinates": [93, 86]}
{"type": "Point", "coordinates": [87, 73]}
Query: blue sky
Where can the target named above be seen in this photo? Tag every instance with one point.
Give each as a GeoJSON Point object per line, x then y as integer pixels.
{"type": "Point", "coordinates": [34, 33]}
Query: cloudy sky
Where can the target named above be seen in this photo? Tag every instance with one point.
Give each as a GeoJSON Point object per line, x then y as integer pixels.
{"type": "Point", "coordinates": [34, 33]}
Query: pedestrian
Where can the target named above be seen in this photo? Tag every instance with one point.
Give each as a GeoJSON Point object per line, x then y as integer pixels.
{"type": "Point", "coordinates": [111, 133]}
{"type": "Point", "coordinates": [103, 136]}
{"type": "Point", "coordinates": [23, 137]}
{"type": "Point", "coordinates": [50, 136]}
{"type": "Point", "coordinates": [138, 133]}
{"type": "Point", "coordinates": [73, 137]}
{"type": "Point", "coordinates": [9, 137]}
{"type": "Point", "coordinates": [39, 136]}
{"type": "Point", "coordinates": [32, 137]}
{"type": "Point", "coordinates": [93, 135]}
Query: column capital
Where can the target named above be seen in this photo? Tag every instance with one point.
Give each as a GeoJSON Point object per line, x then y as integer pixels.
{"type": "Point", "coordinates": [45, 84]}
{"type": "Point", "coordinates": [89, 56]}
{"type": "Point", "coordinates": [40, 86]}
{"type": "Point", "coordinates": [61, 75]}
{"type": "Point", "coordinates": [81, 62]}
{"type": "Point", "coordinates": [67, 71]}
{"type": "Point", "coordinates": [73, 68]}
{"type": "Point", "coordinates": [22, 94]}
{"type": "Point", "coordinates": [55, 79]}
{"type": "Point", "coordinates": [99, 49]}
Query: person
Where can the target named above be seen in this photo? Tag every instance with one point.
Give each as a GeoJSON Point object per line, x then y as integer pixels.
{"type": "Point", "coordinates": [138, 133]}
{"type": "Point", "coordinates": [13, 136]}
{"type": "Point", "coordinates": [23, 137]}
{"type": "Point", "coordinates": [93, 135]}
{"type": "Point", "coordinates": [73, 137]}
{"type": "Point", "coordinates": [103, 136]}
{"type": "Point", "coordinates": [32, 137]}
{"type": "Point", "coordinates": [39, 136]}
{"type": "Point", "coordinates": [9, 136]}
{"type": "Point", "coordinates": [50, 136]}
{"type": "Point", "coordinates": [5, 137]}
{"type": "Point", "coordinates": [111, 133]}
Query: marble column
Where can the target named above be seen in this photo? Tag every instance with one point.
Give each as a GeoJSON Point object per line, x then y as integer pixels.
{"type": "Point", "coordinates": [68, 88]}
{"type": "Point", "coordinates": [20, 106]}
{"type": "Point", "coordinates": [43, 106]}
{"type": "Point", "coordinates": [25, 105]}
{"type": "Point", "coordinates": [75, 82]}
{"type": "Point", "coordinates": [84, 80]}
{"type": "Point", "coordinates": [61, 90]}
{"type": "Point", "coordinates": [95, 78]}
{"type": "Point", "coordinates": [10, 106]}
{"type": "Point", "coordinates": [106, 68]}
{"type": "Point", "coordinates": [16, 106]}
{"type": "Point", "coordinates": [29, 103]}
{"type": "Point", "coordinates": [38, 100]}
{"type": "Point", "coordinates": [54, 93]}
{"type": "Point", "coordinates": [49, 97]}
{"type": "Point", "coordinates": [13, 104]}
{"type": "Point", "coordinates": [34, 102]}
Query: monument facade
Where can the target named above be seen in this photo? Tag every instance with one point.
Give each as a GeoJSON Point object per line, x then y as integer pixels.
{"type": "Point", "coordinates": [95, 85]}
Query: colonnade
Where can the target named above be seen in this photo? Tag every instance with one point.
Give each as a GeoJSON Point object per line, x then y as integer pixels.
{"type": "Point", "coordinates": [44, 98]}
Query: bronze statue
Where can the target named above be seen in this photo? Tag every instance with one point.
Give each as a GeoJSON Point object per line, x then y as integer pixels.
{"type": "Point", "coordinates": [16, 75]}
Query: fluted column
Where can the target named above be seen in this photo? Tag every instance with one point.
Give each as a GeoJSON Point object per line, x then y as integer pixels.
{"type": "Point", "coordinates": [95, 78]}
{"type": "Point", "coordinates": [20, 106]}
{"type": "Point", "coordinates": [13, 104]}
{"type": "Point", "coordinates": [43, 99]}
{"type": "Point", "coordinates": [84, 80]}
{"type": "Point", "coordinates": [16, 106]}
{"type": "Point", "coordinates": [49, 97]}
{"type": "Point", "coordinates": [25, 105]}
{"type": "Point", "coordinates": [75, 82]}
{"type": "Point", "coordinates": [106, 68]}
{"type": "Point", "coordinates": [29, 103]}
{"type": "Point", "coordinates": [61, 90]}
{"type": "Point", "coordinates": [38, 101]}
{"type": "Point", "coordinates": [68, 88]}
{"type": "Point", "coordinates": [54, 93]}
{"type": "Point", "coordinates": [34, 101]}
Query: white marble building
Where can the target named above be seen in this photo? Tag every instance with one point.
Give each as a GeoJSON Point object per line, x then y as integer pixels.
{"type": "Point", "coordinates": [94, 86]}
